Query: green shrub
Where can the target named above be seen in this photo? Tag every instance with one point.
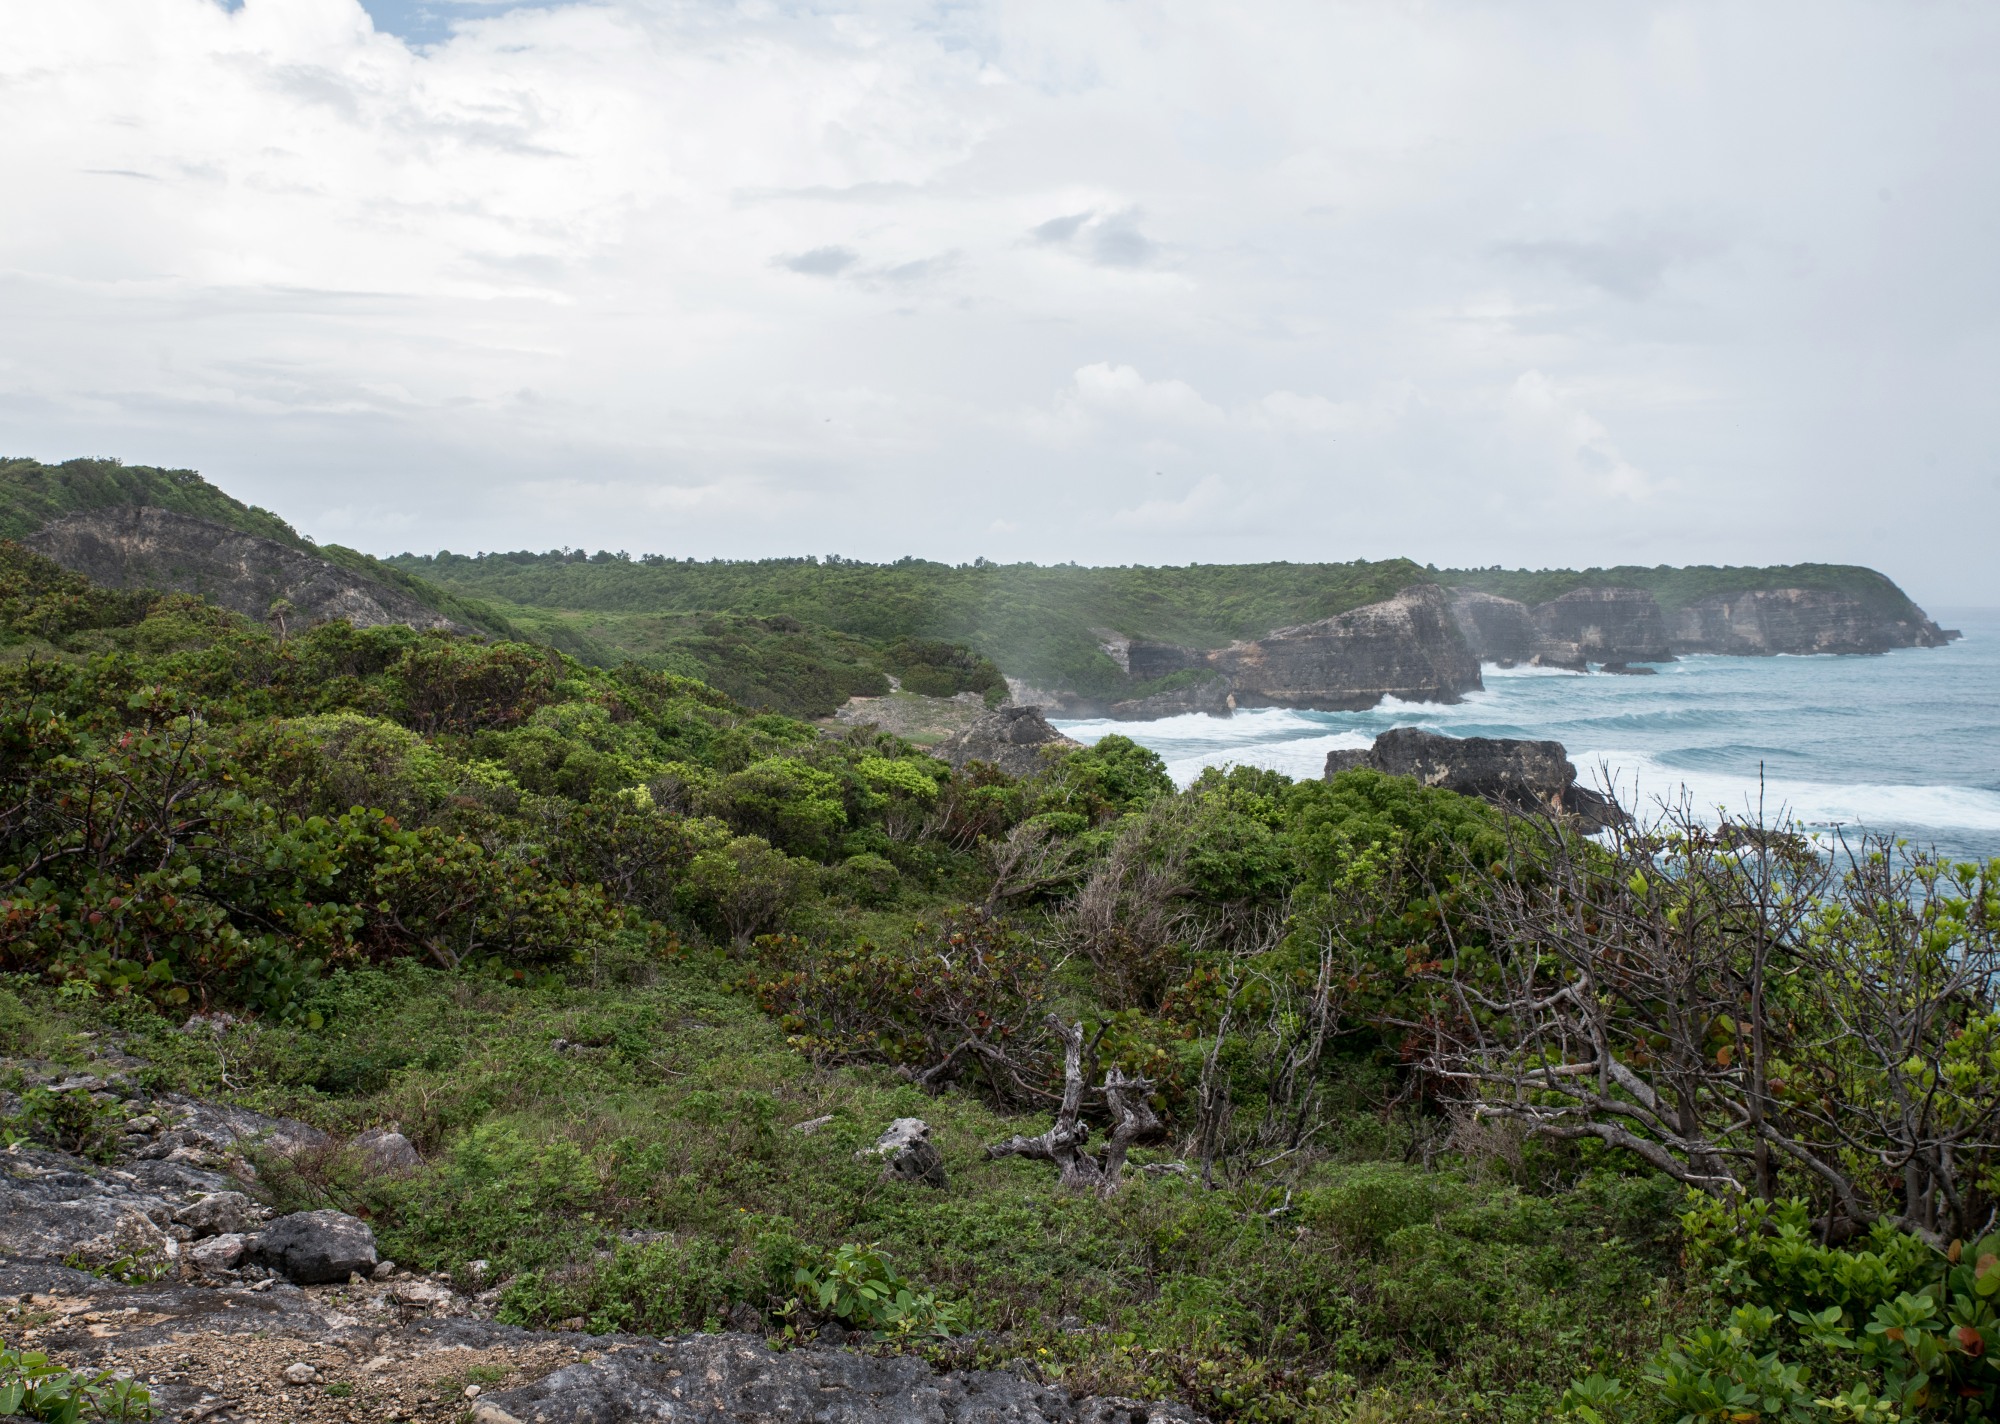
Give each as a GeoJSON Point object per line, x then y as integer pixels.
{"type": "Point", "coordinates": [1363, 1205]}
{"type": "Point", "coordinates": [73, 1121]}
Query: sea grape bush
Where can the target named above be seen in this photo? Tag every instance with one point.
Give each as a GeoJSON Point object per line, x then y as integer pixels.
{"type": "Point", "coordinates": [1891, 1329]}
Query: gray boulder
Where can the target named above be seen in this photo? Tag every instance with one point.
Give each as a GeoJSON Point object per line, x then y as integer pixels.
{"type": "Point", "coordinates": [220, 1253]}
{"type": "Point", "coordinates": [1534, 777]}
{"type": "Point", "coordinates": [387, 1150]}
{"type": "Point", "coordinates": [1015, 739]}
{"type": "Point", "coordinates": [312, 1248]}
{"type": "Point", "coordinates": [908, 1153]}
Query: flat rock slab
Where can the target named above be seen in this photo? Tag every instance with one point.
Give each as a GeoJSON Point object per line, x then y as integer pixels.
{"type": "Point", "coordinates": [709, 1379]}
{"type": "Point", "coordinates": [223, 1354]}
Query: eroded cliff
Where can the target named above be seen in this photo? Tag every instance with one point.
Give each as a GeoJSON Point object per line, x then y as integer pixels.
{"type": "Point", "coordinates": [1408, 646]}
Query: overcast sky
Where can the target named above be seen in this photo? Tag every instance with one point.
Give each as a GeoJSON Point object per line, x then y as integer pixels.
{"type": "Point", "coordinates": [1103, 280]}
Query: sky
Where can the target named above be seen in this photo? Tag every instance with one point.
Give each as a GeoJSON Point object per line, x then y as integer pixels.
{"type": "Point", "coordinates": [1524, 283]}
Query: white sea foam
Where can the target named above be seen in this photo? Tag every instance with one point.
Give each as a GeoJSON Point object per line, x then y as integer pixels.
{"type": "Point", "coordinates": [1906, 743]}
{"type": "Point", "coordinates": [1643, 783]}
{"type": "Point", "coordinates": [1250, 724]}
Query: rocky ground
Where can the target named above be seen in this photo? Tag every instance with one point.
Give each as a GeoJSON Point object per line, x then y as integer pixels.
{"type": "Point", "coordinates": [161, 1264]}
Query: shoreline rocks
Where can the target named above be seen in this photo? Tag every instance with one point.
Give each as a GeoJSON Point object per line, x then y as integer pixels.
{"type": "Point", "coordinates": [1015, 739]}
{"type": "Point", "coordinates": [1537, 778]}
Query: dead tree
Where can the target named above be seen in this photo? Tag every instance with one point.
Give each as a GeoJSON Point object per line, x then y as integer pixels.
{"type": "Point", "coordinates": [1132, 1118]}
{"type": "Point", "coordinates": [1737, 1010]}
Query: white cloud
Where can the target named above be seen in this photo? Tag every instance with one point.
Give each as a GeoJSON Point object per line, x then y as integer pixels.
{"type": "Point", "coordinates": [1572, 442]}
{"type": "Point", "coordinates": [743, 278]}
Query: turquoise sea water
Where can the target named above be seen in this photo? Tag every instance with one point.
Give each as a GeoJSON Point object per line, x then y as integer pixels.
{"type": "Point", "coordinates": [1906, 743]}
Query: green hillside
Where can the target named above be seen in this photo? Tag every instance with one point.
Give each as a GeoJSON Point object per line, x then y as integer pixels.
{"type": "Point", "coordinates": [1036, 622]}
{"type": "Point", "coordinates": [32, 494]}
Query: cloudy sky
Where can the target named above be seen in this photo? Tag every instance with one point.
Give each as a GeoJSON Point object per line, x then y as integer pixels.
{"type": "Point", "coordinates": [1104, 280]}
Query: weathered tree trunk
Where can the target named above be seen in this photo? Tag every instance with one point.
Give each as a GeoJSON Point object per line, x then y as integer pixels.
{"type": "Point", "coordinates": [1064, 1142]}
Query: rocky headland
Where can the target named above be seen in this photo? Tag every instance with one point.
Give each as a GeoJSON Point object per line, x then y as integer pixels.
{"type": "Point", "coordinates": [1627, 625]}
{"type": "Point", "coordinates": [1015, 739]}
{"type": "Point", "coordinates": [128, 546]}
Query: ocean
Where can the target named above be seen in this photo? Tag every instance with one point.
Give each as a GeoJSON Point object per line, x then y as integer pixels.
{"type": "Point", "coordinates": [1907, 743]}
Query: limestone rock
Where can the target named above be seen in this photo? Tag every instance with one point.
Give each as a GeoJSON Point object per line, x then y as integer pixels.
{"type": "Point", "coordinates": [220, 1253]}
{"type": "Point", "coordinates": [1535, 777]}
{"type": "Point", "coordinates": [387, 1150]}
{"type": "Point", "coordinates": [1015, 739]}
{"type": "Point", "coordinates": [1621, 626]}
{"type": "Point", "coordinates": [1602, 625]}
{"type": "Point", "coordinates": [1795, 620]}
{"type": "Point", "coordinates": [313, 1248]}
{"type": "Point", "coordinates": [908, 1153]}
{"type": "Point", "coordinates": [1213, 696]}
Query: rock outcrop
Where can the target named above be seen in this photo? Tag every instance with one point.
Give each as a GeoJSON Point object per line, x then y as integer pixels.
{"type": "Point", "coordinates": [140, 547]}
{"type": "Point", "coordinates": [1408, 646]}
{"type": "Point", "coordinates": [1212, 695]}
{"type": "Point", "coordinates": [1534, 777]}
{"type": "Point", "coordinates": [334, 1354]}
{"type": "Point", "coordinates": [1616, 626]}
{"type": "Point", "coordinates": [1015, 739]}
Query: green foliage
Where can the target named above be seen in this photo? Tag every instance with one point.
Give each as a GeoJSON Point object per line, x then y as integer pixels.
{"type": "Point", "coordinates": [31, 1387]}
{"type": "Point", "coordinates": [1894, 1330]}
{"type": "Point", "coordinates": [964, 996]}
{"type": "Point", "coordinates": [860, 1287]}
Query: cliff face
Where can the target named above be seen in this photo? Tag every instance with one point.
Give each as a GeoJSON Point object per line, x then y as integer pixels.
{"type": "Point", "coordinates": [1626, 625]}
{"type": "Point", "coordinates": [139, 547]}
{"type": "Point", "coordinates": [1794, 620]}
{"type": "Point", "coordinates": [1408, 646]}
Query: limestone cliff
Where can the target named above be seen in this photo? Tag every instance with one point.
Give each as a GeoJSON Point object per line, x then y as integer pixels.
{"type": "Point", "coordinates": [140, 547]}
{"type": "Point", "coordinates": [1627, 625]}
{"type": "Point", "coordinates": [1408, 646]}
{"type": "Point", "coordinates": [1794, 620]}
